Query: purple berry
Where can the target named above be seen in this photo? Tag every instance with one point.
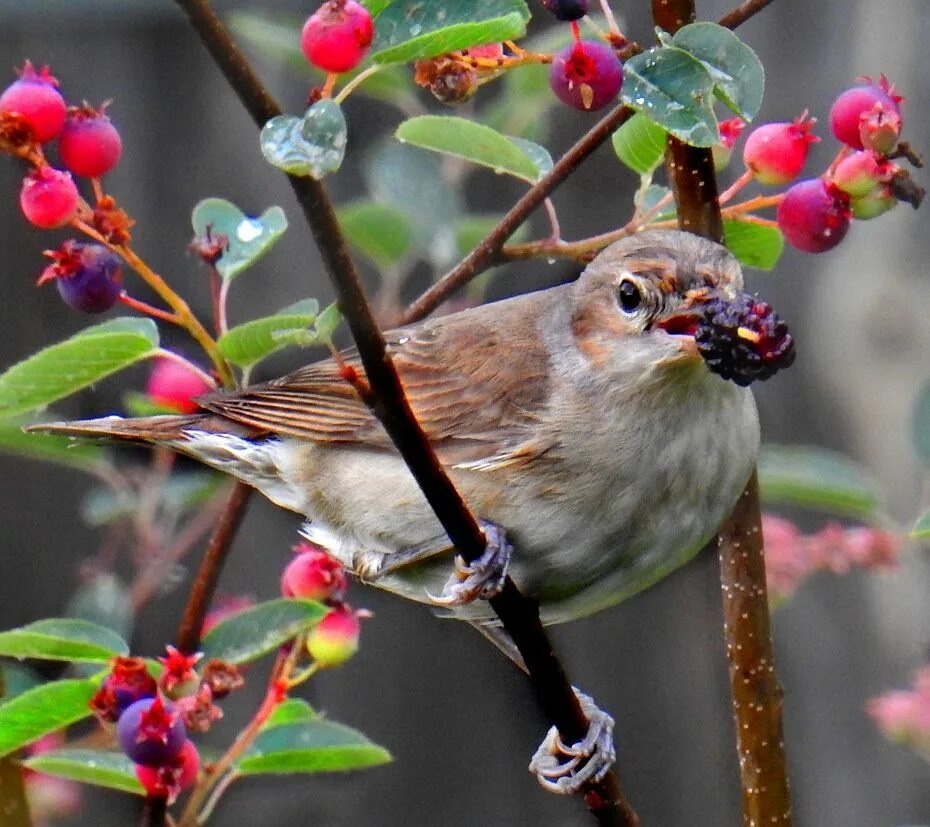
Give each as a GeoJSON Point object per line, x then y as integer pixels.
{"type": "Point", "coordinates": [89, 144]}
{"type": "Point", "coordinates": [855, 105]}
{"type": "Point", "coordinates": [567, 10]}
{"type": "Point", "coordinates": [814, 215]}
{"type": "Point", "coordinates": [35, 98]}
{"type": "Point", "coordinates": [88, 275]}
{"type": "Point", "coordinates": [151, 732]}
{"type": "Point", "coordinates": [586, 75]}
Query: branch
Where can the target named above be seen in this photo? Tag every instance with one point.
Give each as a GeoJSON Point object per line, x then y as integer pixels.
{"type": "Point", "coordinates": [210, 567]}
{"type": "Point", "coordinates": [743, 12]}
{"type": "Point", "coordinates": [519, 615]}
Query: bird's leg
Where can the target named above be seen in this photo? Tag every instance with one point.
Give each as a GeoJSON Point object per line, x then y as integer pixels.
{"type": "Point", "coordinates": [370, 566]}
{"type": "Point", "coordinates": [482, 578]}
{"type": "Point", "coordinates": [566, 769]}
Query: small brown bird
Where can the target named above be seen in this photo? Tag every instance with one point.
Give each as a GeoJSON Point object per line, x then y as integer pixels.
{"type": "Point", "coordinates": [581, 420]}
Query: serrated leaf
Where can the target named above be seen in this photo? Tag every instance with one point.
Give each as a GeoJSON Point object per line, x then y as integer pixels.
{"type": "Point", "coordinates": [311, 746]}
{"type": "Point", "coordinates": [313, 145]}
{"type": "Point", "coordinates": [247, 344]}
{"type": "Point", "coordinates": [44, 709]}
{"type": "Point", "coordinates": [817, 478]}
{"type": "Point", "coordinates": [472, 141]}
{"type": "Point", "coordinates": [674, 89]}
{"type": "Point", "coordinates": [380, 231]}
{"type": "Point", "coordinates": [640, 144]}
{"type": "Point", "coordinates": [89, 766]}
{"type": "Point", "coordinates": [409, 30]}
{"type": "Point", "coordinates": [67, 639]}
{"type": "Point", "coordinates": [754, 245]}
{"type": "Point", "coordinates": [249, 634]}
{"type": "Point", "coordinates": [248, 239]}
{"type": "Point", "coordinates": [739, 77]}
{"type": "Point", "coordinates": [291, 711]}
{"type": "Point", "coordinates": [59, 450]}
{"type": "Point", "coordinates": [67, 367]}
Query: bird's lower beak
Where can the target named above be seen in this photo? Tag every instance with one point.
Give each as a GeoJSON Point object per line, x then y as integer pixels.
{"type": "Point", "coordinates": [684, 322]}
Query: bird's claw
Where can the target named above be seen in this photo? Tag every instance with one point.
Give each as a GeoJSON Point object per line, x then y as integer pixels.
{"type": "Point", "coordinates": [482, 578]}
{"type": "Point", "coordinates": [566, 769]}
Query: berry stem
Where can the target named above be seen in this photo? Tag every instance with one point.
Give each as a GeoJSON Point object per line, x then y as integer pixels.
{"type": "Point", "coordinates": [328, 85]}
{"type": "Point", "coordinates": [357, 81]}
{"type": "Point", "coordinates": [609, 14]}
{"type": "Point", "coordinates": [147, 309]}
{"type": "Point", "coordinates": [576, 32]}
{"type": "Point", "coordinates": [735, 187]}
{"type": "Point", "coordinates": [555, 229]}
{"type": "Point", "coordinates": [98, 189]}
{"type": "Point", "coordinates": [161, 353]}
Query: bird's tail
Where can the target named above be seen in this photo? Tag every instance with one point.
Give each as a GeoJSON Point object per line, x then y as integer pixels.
{"type": "Point", "coordinates": [159, 430]}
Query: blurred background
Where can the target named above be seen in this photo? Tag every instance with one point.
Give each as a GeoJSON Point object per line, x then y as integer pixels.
{"type": "Point", "coordinates": [459, 720]}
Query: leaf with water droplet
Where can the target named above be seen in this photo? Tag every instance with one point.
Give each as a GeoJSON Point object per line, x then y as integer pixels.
{"type": "Point", "coordinates": [248, 239]}
{"type": "Point", "coordinates": [313, 145]}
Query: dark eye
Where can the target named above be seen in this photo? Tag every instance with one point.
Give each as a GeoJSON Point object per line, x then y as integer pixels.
{"type": "Point", "coordinates": [629, 296]}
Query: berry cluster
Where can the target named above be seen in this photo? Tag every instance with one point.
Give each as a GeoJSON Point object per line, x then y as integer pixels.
{"type": "Point", "coordinates": [316, 575]}
{"type": "Point", "coordinates": [743, 341]}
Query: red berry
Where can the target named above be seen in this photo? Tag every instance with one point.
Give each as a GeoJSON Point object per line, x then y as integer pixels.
{"type": "Point", "coordinates": [567, 10]}
{"type": "Point", "coordinates": [814, 215]}
{"type": "Point", "coordinates": [314, 574]}
{"type": "Point", "coordinates": [151, 732]}
{"type": "Point", "coordinates": [175, 386]}
{"type": "Point", "coordinates": [49, 197]}
{"type": "Point", "coordinates": [335, 638]}
{"type": "Point", "coordinates": [35, 97]}
{"type": "Point", "coordinates": [861, 172]}
{"type": "Point", "coordinates": [586, 75]}
{"type": "Point", "coordinates": [88, 276]}
{"type": "Point", "coordinates": [854, 105]}
{"type": "Point", "coordinates": [89, 143]}
{"type": "Point", "coordinates": [775, 152]}
{"type": "Point", "coordinates": [337, 35]}
{"type": "Point", "coordinates": [167, 781]}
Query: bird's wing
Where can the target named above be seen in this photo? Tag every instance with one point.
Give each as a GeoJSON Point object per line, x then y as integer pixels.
{"type": "Point", "coordinates": [477, 383]}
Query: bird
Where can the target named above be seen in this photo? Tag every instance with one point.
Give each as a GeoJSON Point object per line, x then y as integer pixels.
{"type": "Point", "coordinates": [580, 424]}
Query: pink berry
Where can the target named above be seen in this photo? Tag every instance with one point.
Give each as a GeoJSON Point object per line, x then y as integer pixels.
{"type": "Point", "coordinates": [49, 197]}
{"type": "Point", "coordinates": [853, 105]}
{"type": "Point", "coordinates": [314, 574]}
{"type": "Point", "coordinates": [861, 172]}
{"type": "Point", "coordinates": [814, 215]}
{"type": "Point", "coordinates": [335, 638]}
{"type": "Point", "coordinates": [151, 732]}
{"type": "Point", "coordinates": [775, 152]}
{"type": "Point", "coordinates": [89, 143]}
{"type": "Point", "coordinates": [169, 780]}
{"type": "Point", "coordinates": [586, 75]}
{"type": "Point", "coordinates": [337, 35]}
{"type": "Point", "coordinates": [35, 97]}
{"type": "Point", "coordinates": [175, 386]}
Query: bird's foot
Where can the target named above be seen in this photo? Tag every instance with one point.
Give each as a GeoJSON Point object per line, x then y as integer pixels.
{"type": "Point", "coordinates": [482, 578]}
{"type": "Point", "coordinates": [566, 769]}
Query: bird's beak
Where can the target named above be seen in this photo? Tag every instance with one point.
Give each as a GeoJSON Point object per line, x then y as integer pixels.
{"type": "Point", "coordinates": [683, 321]}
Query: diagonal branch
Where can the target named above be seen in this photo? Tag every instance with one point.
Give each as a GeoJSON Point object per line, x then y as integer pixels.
{"type": "Point", "coordinates": [743, 12]}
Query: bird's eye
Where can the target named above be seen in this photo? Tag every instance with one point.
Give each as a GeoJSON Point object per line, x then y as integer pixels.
{"type": "Point", "coordinates": [629, 296]}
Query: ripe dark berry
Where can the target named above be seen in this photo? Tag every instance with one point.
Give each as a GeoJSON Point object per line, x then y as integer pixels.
{"type": "Point", "coordinates": [855, 105]}
{"type": "Point", "coordinates": [743, 340]}
{"type": "Point", "coordinates": [89, 144]}
{"type": "Point", "coordinates": [337, 35]}
{"type": "Point", "coordinates": [35, 97]}
{"type": "Point", "coordinates": [775, 152]}
{"type": "Point", "coordinates": [814, 215]}
{"type": "Point", "coordinates": [567, 9]}
{"type": "Point", "coordinates": [49, 197]}
{"type": "Point", "coordinates": [174, 386]}
{"type": "Point", "coordinates": [314, 574]}
{"type": "Point", "coordinates": [586, 75]}
{"type": "Point", "coordinates": [169, 780]}
{"type": "Point", "coordinates": [151, 732]}
{"type": "Point", "coordinates": [88, 276]}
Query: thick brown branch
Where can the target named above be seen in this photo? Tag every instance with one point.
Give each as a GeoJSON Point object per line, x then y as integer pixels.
{"type": "Point", "coordinates": [210, 567]}
{"type": "Point", "coordinates": [743, 12]}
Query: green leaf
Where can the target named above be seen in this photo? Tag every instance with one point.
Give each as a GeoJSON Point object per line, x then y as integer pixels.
{"type": "Point", "coordinates": [59, 450]}
{"type": "Point", "coordinates": [675, 90]}
{"type": "Point", "coordinates": [16, 679]}
{"type": "Point", "coordinates": [817, 478]}
{"type": "Point", "coordinates": [739, 78]}
{"type": "Point", "coordinates": [922, 526]}
{"type": "Point", "coordinates": [649, 197]}
{"type": "Point", "coordinates": [417, 29]}
{"type": "Point", "coordinates": [311, 746]}
{"type": "Point", "coordinates": [327, 322]}
{"type": "Point", "coordinates": [249, 634]}
{"type": "Point", "coordinates": [62, 639]}
{"type": "Point", "coordinates": [538, 154]}
{"type": "Point", "coordinates": [313, 145]}
{"type": "Point", "coordinates": [89, 766]}
{"type": "Point", "coordinates": [640, 144]}
{"type": "Point", "coordinates": [247, 344]}
{"type": "Point", "coordinates": [291, 711]}
{"type": "Point", "coordinates": [86, 358]}
{"type": "Point", "coordinates": [472, 141]}
{"type": "Point", "coordinates": [754, 245]}
{"type": "Point", "coordinates": [47, 708]}
{"type": "Point", "coordinates": [379, 231]}
{"type": "Point", "coordinates": [248, 239]}
{"type": "Point", "coordinates": [920, 426]}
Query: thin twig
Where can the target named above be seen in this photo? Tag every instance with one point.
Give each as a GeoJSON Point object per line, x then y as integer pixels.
{"type": "Point", "coordinates": [153, 811]}
{"type": "Point", "coordinates": [210, 567]}
{"type": "Point", "coordinates": [743, 12]}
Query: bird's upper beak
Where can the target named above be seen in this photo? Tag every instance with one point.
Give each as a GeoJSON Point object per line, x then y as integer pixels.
{"type": "Point", "coordinates": [683, 320]}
